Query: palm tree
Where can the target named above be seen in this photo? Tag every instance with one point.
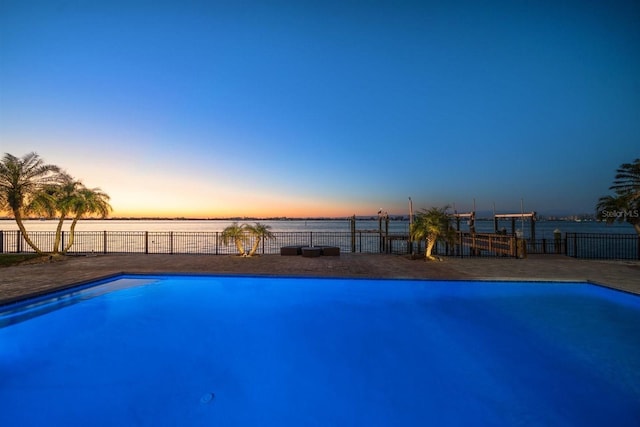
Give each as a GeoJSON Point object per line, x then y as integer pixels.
{"type": "Point", "coordinates": [68, 198]}
{"type": "Point", "coordinates": [624, 206]}
{"type": "Point", "coordinates": [21, 181]}
{"type": "Point", "coordinates": [432, 225]}
{"type": "Point", "coordinates": [236, 234]}
{"type": "Point", "coordinates": [88, 201]}
{"type": "Point", "coordinates": [259, 232]}
{"type": "Point", "coordinates": [58, 199]}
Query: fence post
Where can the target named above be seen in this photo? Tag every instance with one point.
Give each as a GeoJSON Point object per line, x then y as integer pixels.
{"type": "Point", "coordinates": [62, 240]}
{"type": "Point", "coordinates": [474, 243]}
{"type": "Point", "coordinates": [217, 243]}
{"type": "Point", "coordinates": [311, 238]}
{"type": "Point", "coordinates": [1, 241]}
{"type": "Point", "coordinates": [557, 240]}
{"type": "Point", "coordinates": [18, 241]}
{"type": "Point", "coordinates": [171, 242]}
{"type": "Point", "coordinates": [575, 245]}
{"type": "Point", "coordinates": [104, 241]}
{"type": "Point", "coordinates": [353, 234]}
{"type": "Point", "coordinates": [146, 242]}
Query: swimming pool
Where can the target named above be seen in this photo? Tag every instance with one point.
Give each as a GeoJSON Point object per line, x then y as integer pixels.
{"type": "Point", "coordinates": [249, 351]}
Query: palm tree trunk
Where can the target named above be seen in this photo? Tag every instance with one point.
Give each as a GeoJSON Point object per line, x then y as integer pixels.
{"type": "Point", "coordinates": [71, 235]}
{"type": "Point", "coordinates": [430, 244]}
{"type": "Point", "coordinates": [23, 230]}
{"type": "Point", "coordinates": [240, 247]}
{"type": "Point", "coordinates": [56, 242]}
{"type": "Point", "coordinates": [254, 249]}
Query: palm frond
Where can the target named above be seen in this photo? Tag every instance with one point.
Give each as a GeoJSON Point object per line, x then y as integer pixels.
{"type": "Point", "coordinates": [627, 180]}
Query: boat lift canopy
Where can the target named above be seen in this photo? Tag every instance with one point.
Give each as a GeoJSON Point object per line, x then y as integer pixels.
{"type": "Point", "coordinates": [513, 218]}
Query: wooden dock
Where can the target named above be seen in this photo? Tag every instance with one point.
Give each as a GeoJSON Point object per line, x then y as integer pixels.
{"type": "Point", "coordinates": [498, 244]}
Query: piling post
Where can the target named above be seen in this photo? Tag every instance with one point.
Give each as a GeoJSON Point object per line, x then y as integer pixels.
{"type": "Point", "coordinates": [386, 235]}
{"type": "Point", "coordinates": [557, 240]}
{"type": "Point", "coordinates": [380, 234]}
{"type": "Point", "coordinates": [472, 222]}
{"type": "Point", "coordinates": [533, 228]}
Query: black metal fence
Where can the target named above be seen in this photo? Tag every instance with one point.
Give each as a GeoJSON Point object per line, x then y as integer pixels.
{"type": "Point", "coordinates": [553, 246]}
{"type": "Point", "coordinates": [589, 246]}
{"type": "Point", "coordinates": [172, 242]}
{"type": "Point", "coordinates": [577, 245]}
{"type": "Point", "coordinates": [603, 246]}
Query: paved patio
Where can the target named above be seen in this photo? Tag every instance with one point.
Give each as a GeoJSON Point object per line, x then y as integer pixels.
{"type": "Point", "coordinates": [18, 282]}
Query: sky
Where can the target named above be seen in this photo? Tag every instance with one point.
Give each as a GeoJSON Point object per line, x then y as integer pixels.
{"type": "Point", "coordinates": [214, 109]}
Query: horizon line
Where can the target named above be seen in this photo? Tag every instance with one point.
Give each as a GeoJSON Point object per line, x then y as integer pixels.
{"type": "Point", "coordinates": [394, 217]}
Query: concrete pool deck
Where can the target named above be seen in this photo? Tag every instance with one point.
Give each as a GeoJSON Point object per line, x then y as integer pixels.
{"type": "Point", "coordinates": [21, 281]}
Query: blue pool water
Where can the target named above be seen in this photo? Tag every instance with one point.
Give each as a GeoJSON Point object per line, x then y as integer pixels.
{"type": "Point", "coordinates": [246, 351]}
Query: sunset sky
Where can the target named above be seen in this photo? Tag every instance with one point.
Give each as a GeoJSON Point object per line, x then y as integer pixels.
{"type": "Point", "coordinates": [327, 108]}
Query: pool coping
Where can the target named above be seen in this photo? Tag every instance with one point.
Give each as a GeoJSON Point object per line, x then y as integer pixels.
{"type": "Point", "coordinates": [28, 280]}
{"type": "Point", "coordinates": [86, 284]}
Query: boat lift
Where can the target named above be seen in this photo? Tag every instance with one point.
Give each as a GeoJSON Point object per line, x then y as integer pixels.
{"type": "Point", "coordinates": [471, 220]}
{"type": "Point", "coordinates": [513, 217]}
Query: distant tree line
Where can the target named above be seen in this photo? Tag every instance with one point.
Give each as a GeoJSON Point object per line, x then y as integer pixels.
{"type": "Point", "coordinates": [29, 186]}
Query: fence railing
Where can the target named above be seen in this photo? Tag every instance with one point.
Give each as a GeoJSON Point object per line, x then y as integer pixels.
{"type": "Point", "coordinates": [603, 246]}
{"type": "Point", "coordinates": [555, 246]}
{"type": "Point", "coordinates": [577, 245]}
{"type": "Point", "coordinates": [171, 242]}
{"type": "Point", "coordinates": [484, 243]}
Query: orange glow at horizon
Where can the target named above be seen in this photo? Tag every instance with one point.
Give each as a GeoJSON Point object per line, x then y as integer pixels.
{"type": "Point", "coordinates": [282, 211]}
{"type": "Point", "coordinates": [181, 198]}
{"type": "Point", "coordinates": [245, 205]}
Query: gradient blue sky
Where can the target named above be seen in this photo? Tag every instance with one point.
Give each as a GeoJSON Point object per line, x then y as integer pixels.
{"type": "Point", "coordinates": [299, 108]}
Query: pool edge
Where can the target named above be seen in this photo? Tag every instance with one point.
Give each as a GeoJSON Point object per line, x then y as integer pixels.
{"type": "Point", "coordinates": [101, 279]}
